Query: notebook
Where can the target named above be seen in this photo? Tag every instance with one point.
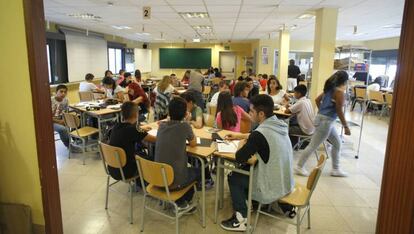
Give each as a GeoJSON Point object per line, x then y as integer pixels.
{"type": "Point", "coordinates": [227, 146]}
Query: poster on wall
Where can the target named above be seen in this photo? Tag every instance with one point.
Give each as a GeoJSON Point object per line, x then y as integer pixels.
{"type": "Point", "coordinates": [265, 55]}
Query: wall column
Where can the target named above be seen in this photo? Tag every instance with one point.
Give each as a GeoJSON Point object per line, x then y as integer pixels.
{"type": "Point", "coordinates": [323, 49]}
{"type": "Point", "coordinates": [283, 58]}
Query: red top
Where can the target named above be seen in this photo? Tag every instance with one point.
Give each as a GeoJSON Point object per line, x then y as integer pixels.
{"type": "Point", "coordinates": [263, 83]}
{"type": "Point", "coordinates": [135, 91]}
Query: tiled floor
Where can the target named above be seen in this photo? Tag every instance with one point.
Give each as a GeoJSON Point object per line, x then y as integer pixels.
{"type": "Point", "coordinates": [339, 205]}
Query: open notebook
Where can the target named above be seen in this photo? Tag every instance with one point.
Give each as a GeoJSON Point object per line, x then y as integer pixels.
{"type": "Point", "coordinates": [227, 146]}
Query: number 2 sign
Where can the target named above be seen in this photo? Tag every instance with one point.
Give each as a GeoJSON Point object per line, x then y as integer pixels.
{"type": "Point", "coordinates": [146, 12]}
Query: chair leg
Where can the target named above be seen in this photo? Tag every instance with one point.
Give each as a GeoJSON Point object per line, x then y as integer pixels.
{"type": "Point", "coordinates": [309, 222]}
{"type": "Point", "coordinates": [298, 221]}
{"type": "Point", "coordinates": [257, 216]}
{"type": "Point", "coordinates": [176, 219]}
{"type": "Point", "coordinates": [83, 151]}
{"type": "Point", "coordinates": [143, 213]}
{"type": "Point", "coordinates": [130, 208]}
{"type": "Point", "coordinates": [70, 149]}
{"type": "Point", "coordinates": [107, 192]}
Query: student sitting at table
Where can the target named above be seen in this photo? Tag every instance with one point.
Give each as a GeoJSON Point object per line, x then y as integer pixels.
{"type": "Point", "coordinates": [196, 114]}
{"type": "Point", "coordinates": [108, 73]}
{"type": "Point", "coordinates": [137, 95]}
{"type": "Point", "coordinates": [301, 123]}
{"type": "Point", "coordinates": [164, 91]}
{"type": "Point", "coordinates": [112, 90]}
{"type": "Point", "coordinates": [241, 90]}
{"type": "Point", "coordinates": [263, 82]}
{"type": "Point", "coordinates": [254, 90]}
{"type": "Point", "coordinates": [137, 75]}
{"type": "Point", "coordinates": [273, 177]}
{"type": "Point", "coordinates": [88, 85]}
{"type": "Point", "coordinates": [186, 78]}
{"type": "Point", "coordinates": [223, 86]}
{"type": "Point", "coordinates": [217, 73]}
{"type": "Point", "coordinates": [276, 92]}
{"type": "Point", "coordinates": [125, 135]}
{"type": "Point", "coordinates": [229, 116]}
{"type": "Point", "coordinates": [59, 106]}
{"type": "Point", "coordinates": [233, 84]}
{"type": "Point", "coordinates": [121, 78]}
{"type": "Point", "coordinates": [171, 149]}
{"type": "Point", "coordinates": [174, 80]}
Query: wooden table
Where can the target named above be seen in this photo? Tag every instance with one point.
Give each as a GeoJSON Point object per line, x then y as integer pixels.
{"type": "Point", "coordinates": [98, 114]}
{"type": "Point", "coordinates": [202, 154]}
{"type": "Point", "coordinates": [231, 157]}
{"type": "Point", "coordinates": [281, 112]}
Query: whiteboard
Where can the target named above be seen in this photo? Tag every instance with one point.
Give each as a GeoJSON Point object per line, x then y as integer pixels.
{"type": "Point", "coordinates": [85, 55]}
{"type": "Point", "coordinates": [143, 59]}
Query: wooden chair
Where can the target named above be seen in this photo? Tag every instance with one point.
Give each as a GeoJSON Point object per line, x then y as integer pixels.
{"type": "Point", "coordinates": [299, 197]}
{"type": "Point", "coordinates": [215, 81]}
{"type": "Point", "coordinates": [86, 96]}
{"type": "Point", "coordinates": [212, 110]}
{"type": "Point", "coordinates": [209, 120]}
{"type": "Point", "coordinates": [388, 101]}
{"type": "Point", "coordinates": [360, 97]}
{"type": "Point", "coordinates": [206, 92]}
{"type": "Point", "coordinates": [115, 157]}
{"type": "Point", "coordinates": [376, 100]}
{"type": "Point", "coordinates": [160, 176]}
{"type": "Point", "coordinates": [77, 134]}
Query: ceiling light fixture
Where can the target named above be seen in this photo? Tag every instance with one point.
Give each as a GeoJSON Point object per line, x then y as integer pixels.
{"type": "Point", "coordinates": [306, 16]}
{"type": "Point", "coordinates": [202, 27]}
{"type": "Point", "coordinates": [120, 27]}
{"type": "Point", "coordinates": [392, 26]}
{"type": "Point", "coordinates": [194, 14]}
{"type": "Point", "coordinates": [196, 40]}
{"type": "Point", "coordinates": [85, 16]}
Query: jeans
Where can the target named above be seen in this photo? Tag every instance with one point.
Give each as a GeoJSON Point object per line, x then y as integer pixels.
{"type": "Point", "coordinates": [239, 187]}
{"type": "Point", "coordinates": [325, 129]}
{"type": "Point", "coordinates": [63, 134]}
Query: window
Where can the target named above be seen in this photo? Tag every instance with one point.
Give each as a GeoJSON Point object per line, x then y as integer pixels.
{"type": "Point", "coordinates": [56, 60]}
{"type": "Point", "coordinates": [115, 59]}
{"type": "Point", "coordinates": [129, 60]}
{"type": "Point", "coordinates": [377, 70]}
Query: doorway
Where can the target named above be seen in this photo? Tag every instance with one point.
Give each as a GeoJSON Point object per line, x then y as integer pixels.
{"type": "Point", "coordinates": [227, 63]}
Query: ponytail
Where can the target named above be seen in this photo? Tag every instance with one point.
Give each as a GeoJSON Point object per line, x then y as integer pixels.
{"type": "Point", "coordinates": [337, 79]}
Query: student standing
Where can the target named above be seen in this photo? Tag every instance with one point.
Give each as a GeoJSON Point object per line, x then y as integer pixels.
{"type": "Point", "coordinates": [59, 106]}
{"type": "Point", "coordinates": [125, 135]}
{"type": "Point", "coordinates": [196, 85]}
{"type": "Point", "coordinates": [301, 122]}
{"type": "Point", "coordinates": [229, 116]}
{"type": "Point", "coordinates": [196, 114]}
{"type": "Point", "coordinates": [112, 90]}
{"type": "Point", "coordinates": [330, 104]}
{"type": "Point", "coordinates": [276, 92]}
{"type": "Point", "coordinates": [137, 75]}
{"type": "Point", "coordinates": [88, 85]}
{"type": "Point", "coordinates": [171, 149]}
{"type": "Point", "coordinates": [241, 91]}
{"type": "Point", "coordinates": [272, 178]}
{"type": "Point", "coordinates": [293, 74]}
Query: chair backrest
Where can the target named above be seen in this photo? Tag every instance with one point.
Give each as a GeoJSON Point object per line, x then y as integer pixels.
{"type": "Point", "coordinates": [361, 93]}
{"type": "Point", "coordinates": [86, 96]}
{"type": "Point", "coordinates": [113, 156]}
{"type": "Point", "coordinates": [71, 120]}
{"type": "Point", "coordinates": [388, 98]}
{"type": "Point", "coordinates": [152, 172]}
{"type": "Point", "coordinates": [315, 174]}
{"type": "Point", "coordinates": [126, 97]}
{"type": "Point", "coordinates": [245, 126]}
{"type": "Point", "coordinates": [376, 96]}
{"type": "Point", "coordinates": [215, 81]}
{"type": "Point", "coordinates": [303, 83]}
{"type": "Point", "coordinates": [209, 120]}
{"type": "Point", "coordinates": [212, 110]}
{"type": "Point", "coordinates": [207, 90]}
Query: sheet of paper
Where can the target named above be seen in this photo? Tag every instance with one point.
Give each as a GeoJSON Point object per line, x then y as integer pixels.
{"type": "Point", "coordinates": [228, 146]}
{"type": "Point", "coordinates": [153, 132]}
{"type": "Point", "coordinates": [198, 141]}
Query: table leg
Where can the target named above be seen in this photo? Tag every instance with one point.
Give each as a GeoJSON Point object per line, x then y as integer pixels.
{"type": "Point", "coordinates": [249, 199]}
{"type": "Point", "coordinates": [203, 190]}
{"type": "Point", "coordinates": [99, 128]}
{"type": "Point", "coordinates": [221, 178]}
{"type": "Point", "coordinates": [218, 182]}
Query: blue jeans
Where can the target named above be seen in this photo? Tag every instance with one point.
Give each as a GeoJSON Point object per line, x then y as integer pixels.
{"type": "Point", "coordinates": [325, 129]}
{"type": "Point", "coordinates": [63, 134]}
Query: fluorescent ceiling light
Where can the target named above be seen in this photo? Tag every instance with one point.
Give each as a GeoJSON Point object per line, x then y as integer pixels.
{"type": "Point", "coordinates": [120, 27]}
{"type": "Point", "coordinates": [85, 16]}
{"type": "Point", "coordinates": [194, 14]}
{"type": "Point", "coordinates": [292, 27]}
{"type": "Point", "coordinates": [205, 27]}
{"type": "Point", "coordinates": [145, 34]}
{"type": "Point", "coordinates": [392, 26]}
{"type": "Point", "coordinates": [306, 16]}
{"type": "Point", "coordinates": [196, 39]}
{"type": "Point", "coordinates": [159, 39]}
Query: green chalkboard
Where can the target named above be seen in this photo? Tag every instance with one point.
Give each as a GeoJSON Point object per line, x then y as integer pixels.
{"type": "Point", "coordinates": [185, 58]}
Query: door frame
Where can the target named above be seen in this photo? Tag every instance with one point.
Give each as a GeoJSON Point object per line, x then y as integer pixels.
{"type": "Point", "coordinates": [39, 82]}
{"type": "Point", "coordinates": [235, 60]}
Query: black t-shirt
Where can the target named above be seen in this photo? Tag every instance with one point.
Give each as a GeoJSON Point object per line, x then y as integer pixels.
{"type": "Point", "coordinates": [126, 136]}
{"type": "Point", "coordinates": [255, 143]}
{"type": "Point", "coordinates": [293, 71]}
{"type": "Point", "coordinates": [253, 92]}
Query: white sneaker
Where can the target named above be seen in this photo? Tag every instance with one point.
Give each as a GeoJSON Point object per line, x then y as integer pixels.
{"type": "Point", "coordinates": [338, 173]}
{"type": "Point", "coordinates": [300, 171]}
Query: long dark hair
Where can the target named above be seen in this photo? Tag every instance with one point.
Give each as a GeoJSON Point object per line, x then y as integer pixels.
{"type": "Point", "coordinates": [137, 75]}
{"type": "Point", "coordinates": [272, 77]}
{"type": "Point", "coordinates": [225, 106]}
{"type": "Point", "coordinates": [109, 81]}
{"type": "Point", "coordinates": [337, 79]}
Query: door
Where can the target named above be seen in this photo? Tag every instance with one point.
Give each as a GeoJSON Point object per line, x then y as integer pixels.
{"type": "Point", "coordinates": [228, 64]}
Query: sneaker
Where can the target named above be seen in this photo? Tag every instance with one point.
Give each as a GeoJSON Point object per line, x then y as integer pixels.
{"type": "Point", "coordinates": [183, 206]}
{"type": "Point", "coordinates": [191, 211]}
{"type": "Point", "coordinates": [338, 173]}
{"type": "Point", "coordinates": [236, 223]}
{"type": "Point", "coordinates": [300, 171]}
{"type": "Point", "coordinates": [209, 184]}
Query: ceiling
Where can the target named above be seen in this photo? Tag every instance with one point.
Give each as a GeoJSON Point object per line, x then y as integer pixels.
{"type": "Point", "coordinates": [229, 19]}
